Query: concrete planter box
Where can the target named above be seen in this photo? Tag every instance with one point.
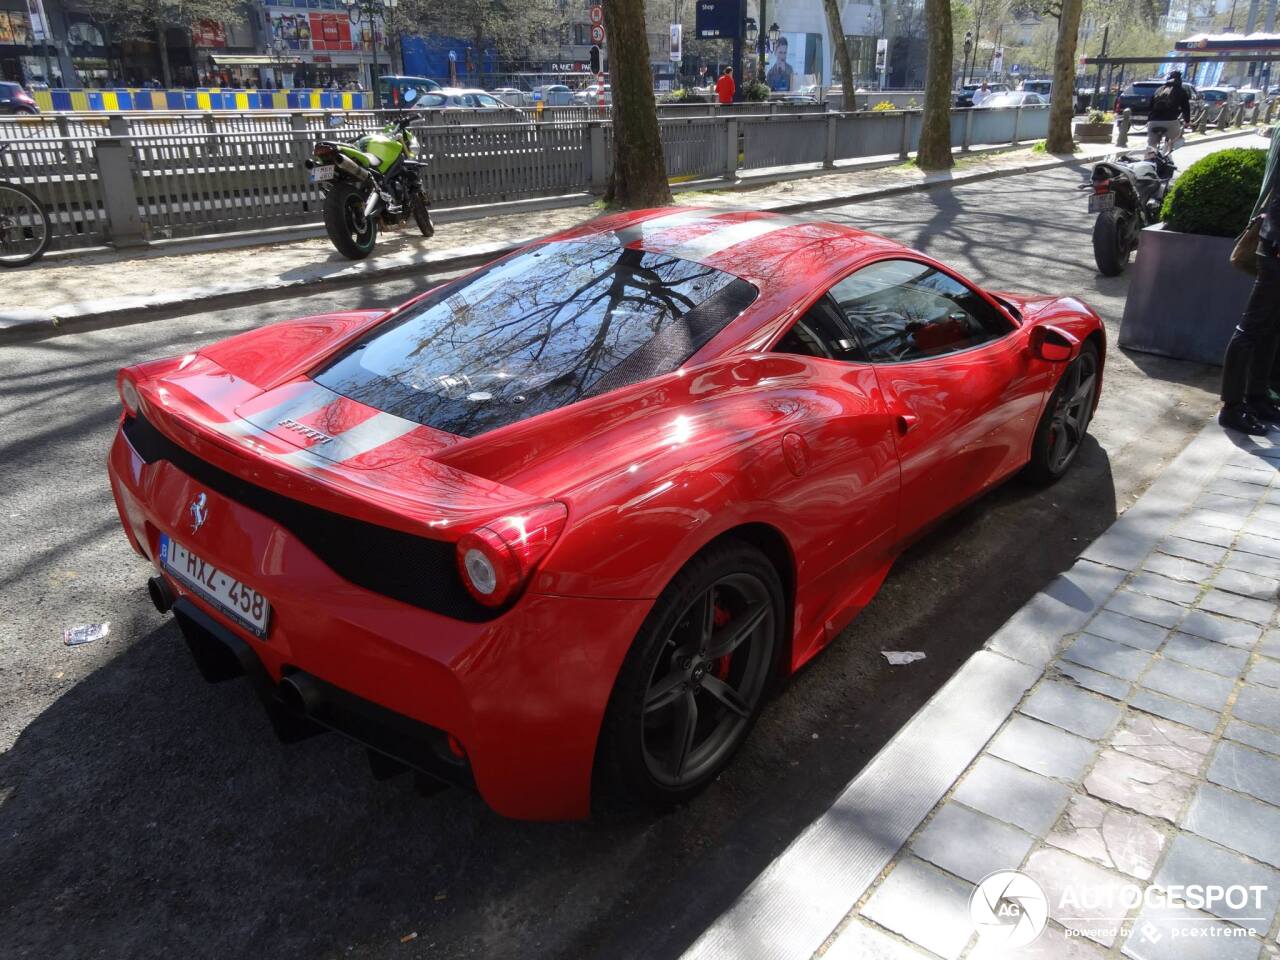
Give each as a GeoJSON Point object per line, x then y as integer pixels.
{"type": "Point", "coordinates": [1184, 296]}
{"type": "Point", "coordinates": [1094, 132]}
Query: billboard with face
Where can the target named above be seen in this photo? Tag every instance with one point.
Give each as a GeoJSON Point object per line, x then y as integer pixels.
{"type": "Point", "coordinates": [794, 60]}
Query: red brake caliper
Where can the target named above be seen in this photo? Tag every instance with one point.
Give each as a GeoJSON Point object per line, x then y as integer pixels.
{"type": "Point", "coordinates": [721, 666]}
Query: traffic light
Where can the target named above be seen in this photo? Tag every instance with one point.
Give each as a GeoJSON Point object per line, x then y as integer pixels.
{"type": "Point", "coordinates": [595, 59]}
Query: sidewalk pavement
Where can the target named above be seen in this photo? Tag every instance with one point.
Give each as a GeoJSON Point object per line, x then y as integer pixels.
{"type": "Point", "coordinates": [1117, 740]}
{"type": "Point", "coordinates": [107, 289]}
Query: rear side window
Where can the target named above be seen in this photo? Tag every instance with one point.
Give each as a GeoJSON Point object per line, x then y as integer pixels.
{"type": "Point", "coordinates": [537, 331]}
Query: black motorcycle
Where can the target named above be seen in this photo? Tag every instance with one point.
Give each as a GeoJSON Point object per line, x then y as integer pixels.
{"type": "Point", "coordinates": [1127, 194]}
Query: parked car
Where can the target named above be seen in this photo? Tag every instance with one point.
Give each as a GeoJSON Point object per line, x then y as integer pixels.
{"type": "Point", "coordinates": [1041, 87]}
{"type": "Point", "coordinates": [512, 96]}
{"type": "Point", "coordinates": [1250, 95]}
{"type": "Point", "coordinates": [792, 98]}
{"type": "Point", "coordinates": [589, 96]}
{"type": "Point", "coordinates": [1013, 98]}
{"type": "Point", "coordinates": [553, 530]}
{"type": "Point", "coordinates": [1217, 96]}
{"type": "Point", "coordinates": [1136, 97]}
{"type": "Point", "coordinates": [458, 98]}
{"type": "Point", "coordinates": [13, 99]}
{"type": "Point", "coordinates": [965, 97]}
{"type": "Point", "coordinates": [391, 90]}
{"type": "Point", "coordinates": [553, 95]}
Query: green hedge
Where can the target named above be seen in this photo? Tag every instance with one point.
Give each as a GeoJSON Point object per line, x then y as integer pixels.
{"type": "Point", "coordinates": [1216, 194]}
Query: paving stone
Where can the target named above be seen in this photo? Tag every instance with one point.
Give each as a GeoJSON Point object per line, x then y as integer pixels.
{"type": "Point", "coordinates": [1252, 563]}
{"type": "Point", "coordinates": [1072, 709]}
{"type": "Point", "coordinates": [1211, 626]}
{"type": "Point", "coordinates": [1107, 656]}
{"type": "Point", "coordinates": [1139, 785]}
{"type": "Point", "coordinates": [1236, 821]}
{"type": "Point", "coordinates": [944, 927]}
{"type": "Point", "coordinates": [1011, 794]}
{"type": "Point", "coordinates": [1265, 672]}
{"type": "Point", "coordinates": [1262, 527]}
{"type": "Point", "coordinates": [1109, 836]}
{"type": "Point", "coordinates": [1247, 584]}
{"type": "Point", "coordinates": [1154, 585]}
{"type": "Point", "coordinates": [1225, 487]}
{"type": "Point", "coordinates": [1234, 605]}
{"type": "Point", "coordinates": [1192, 550]}
{"type": "Point", "coordinates": [1258, 705]}
{"type": "Point", "coordinates": [1042, 749]}
{"type": "Point", "coordinates": [861, 941]}
{"type": "Point", "coordinates": [1246, 770]}
{"type": "Point", "coordinates": [1192, 860]}
{"type": "Point", "coordinates": [1254, 475]}
{"type": "Point", "coordinates": [1218, 503]}
{"type": "Point", "coordinates": [1161, 741]}
{"type": "Point", "coordinates": [1087, 889]}
{"type": "Point", "coordinates": [1185, 683]}
{"type": "Point", "coordinates": [1270, 644]}
{"type": "Point", "coordinates": [1258, 737]}
{"type": "Point", "coordinates": [1215, 536]}
{"type": "Point", "coordinates": [1211, 518]}
{"type": "Point", "coordinates": [1122, 629]}
{"type": "Point", "coordinates": [1171, 709]}
{"type": "Point", "coordinates": [1093, 680]}
{"type": "Point", "coordinates": [1178, 568]}
{"type": "Point", "coordinates": [1208, 655]}
{"type": "Point", "coordinates": [1053, 944]}
{"type": "Point", "coordinates": [1152, 610]}
{"type": "Point", "coordinates": [969, 844]}
{"type": "Point", "coordinates": [1165, 932]}
{"type": "Point", "coordinates": [1263, 546]}
{"type": "Point", "coordinates": [1266, 512]}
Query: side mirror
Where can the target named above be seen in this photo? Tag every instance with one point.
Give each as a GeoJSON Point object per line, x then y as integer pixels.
{"type": "Point", "coordinates": [410, 95]}
{"type": "Point", "coordinates": [334, 121]}
{"type": "Point", "coordinates": [1053, 344]}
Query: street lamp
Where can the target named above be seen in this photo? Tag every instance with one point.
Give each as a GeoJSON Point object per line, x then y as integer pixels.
{"type": "Point", "coordinates": [775, 31]}
{"type": "Point", "coordinates": [751, 31]}
{"type": "Point", "coordinates": [964, 65]}
{"type": "Point", "coordinates": [370, 10]}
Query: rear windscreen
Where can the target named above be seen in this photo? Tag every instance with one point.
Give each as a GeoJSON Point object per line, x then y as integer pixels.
{"type": "Point", "coordinates": [539, 330]}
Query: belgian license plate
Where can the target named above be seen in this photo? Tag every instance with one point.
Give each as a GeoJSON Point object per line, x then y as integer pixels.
{"type": "Point", "coordinates": [242, 604]}
{"type": "Point", "coordinates": [320, 174]}
{"type": "Point", "coordinates": [1099, 202]}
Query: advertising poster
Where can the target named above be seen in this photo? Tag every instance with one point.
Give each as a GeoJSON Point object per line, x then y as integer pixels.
{"type": "Point", "coordinates": [794, 61]}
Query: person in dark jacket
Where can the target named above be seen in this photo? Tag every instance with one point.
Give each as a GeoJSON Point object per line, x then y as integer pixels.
{"type": "Point", "coordinates": [1170, 108]}
{"type": "Point", "coordinates": [1246, 369]}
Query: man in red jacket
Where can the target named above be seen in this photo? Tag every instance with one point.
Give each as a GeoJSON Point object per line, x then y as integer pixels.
{"type": "Point", "coordinates": [725, 86]}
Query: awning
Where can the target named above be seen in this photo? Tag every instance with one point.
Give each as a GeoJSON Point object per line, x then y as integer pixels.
{"type": "Point", "coordinates": [249, 60]}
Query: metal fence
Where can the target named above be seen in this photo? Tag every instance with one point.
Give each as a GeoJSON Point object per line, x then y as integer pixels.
{"type": "Point", "coordinates": [134, 187]}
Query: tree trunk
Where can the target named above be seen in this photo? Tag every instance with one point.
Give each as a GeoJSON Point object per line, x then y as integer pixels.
{"type": "Point", "coordinates": [935, 133]}
{"type": "Point", "coordinates": [1063, 94]}
{"type": "Point", "coordinates": [639, 177]}
{"type": "Point", "coordinates": [166, 75]}
{"type": "Point", "coordinates": [841, 48]}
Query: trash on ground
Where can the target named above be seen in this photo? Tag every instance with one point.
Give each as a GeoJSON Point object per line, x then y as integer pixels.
{"type": "Point", "coordinates": [900, 658]}
{"type": "Point", "coordinates": [409, 936]}
{"type": "Point", "coordinates": [89, 632]}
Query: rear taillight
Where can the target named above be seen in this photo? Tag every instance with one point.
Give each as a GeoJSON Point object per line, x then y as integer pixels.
{"type": "Point", "coordinates": [23, 98]}
{"type": "Point", "coordinates": [128, 394]}
{"type": "Point", "coordinates": [1102, 186]}
{"type": "Point", "coordinates": [497, 560]}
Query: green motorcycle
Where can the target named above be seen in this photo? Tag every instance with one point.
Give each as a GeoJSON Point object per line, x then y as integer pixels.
{"type": "Point", "coordinates": [369, 183]}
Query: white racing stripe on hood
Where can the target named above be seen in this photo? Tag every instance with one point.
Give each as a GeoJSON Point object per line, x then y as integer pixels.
{"type": "Point", "coordinates": [717, 241]}
{"type": "Point", "coordinates": [307, 402]}
{"type": "Point", "coordinates": [379, 429]}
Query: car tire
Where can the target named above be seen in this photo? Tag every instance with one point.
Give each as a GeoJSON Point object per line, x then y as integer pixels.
{"type": "Point", "coordinates": [1065, 421]}
{"type": "Point", "coordinates": [339, 207]}
{"type": "Point", "coordinates": [670, 727]}
{"type": "Point", "coordinates": [1110, 247]}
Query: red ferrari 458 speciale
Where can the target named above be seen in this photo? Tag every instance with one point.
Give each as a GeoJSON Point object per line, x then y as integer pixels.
{"type": "Point", "coordinates": [551, 530]}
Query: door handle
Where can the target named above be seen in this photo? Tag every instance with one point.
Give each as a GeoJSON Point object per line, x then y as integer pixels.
{"type": "Point", "coordinates": [906, 421]}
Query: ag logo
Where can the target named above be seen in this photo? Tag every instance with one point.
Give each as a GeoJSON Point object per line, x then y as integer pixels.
{"type": "Point", "coordinates": [1008, 908]}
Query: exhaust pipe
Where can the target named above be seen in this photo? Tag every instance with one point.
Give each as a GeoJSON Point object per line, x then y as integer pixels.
{"type": "Point", "coordinates": [300, 693]}
{"type": "Point", "coordinates": [160, 594]}
{"type": "Point", "coordinates": [351, 168]}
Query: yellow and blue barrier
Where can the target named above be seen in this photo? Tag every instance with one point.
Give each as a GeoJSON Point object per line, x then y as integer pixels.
{"type": "Point", "coordinates": [130, 99]}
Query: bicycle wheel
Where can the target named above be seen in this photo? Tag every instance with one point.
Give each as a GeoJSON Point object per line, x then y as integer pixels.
{"type": "Point", "coordinates": [24, 226]}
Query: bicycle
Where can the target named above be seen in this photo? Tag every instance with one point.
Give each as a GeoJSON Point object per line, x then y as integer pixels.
{"type": "Point", "coordinates": [25, 229]}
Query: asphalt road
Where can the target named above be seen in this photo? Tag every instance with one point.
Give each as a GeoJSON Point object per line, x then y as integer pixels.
{"type": "Point", "coordinates": [145, 814]}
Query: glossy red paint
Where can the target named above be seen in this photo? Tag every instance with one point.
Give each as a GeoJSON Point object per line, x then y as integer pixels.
{"type": "Point", "coordinates": [834, 466]}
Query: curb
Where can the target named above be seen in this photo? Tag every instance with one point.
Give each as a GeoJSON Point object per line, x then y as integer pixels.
{"type": "Point", "coordinates": [26, 325]}
{"type": "Point", "coordinates": [800, 899]}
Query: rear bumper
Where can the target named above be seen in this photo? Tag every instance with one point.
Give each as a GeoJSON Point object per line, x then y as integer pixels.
{"type": "Point", "coordinates": [523, 694]}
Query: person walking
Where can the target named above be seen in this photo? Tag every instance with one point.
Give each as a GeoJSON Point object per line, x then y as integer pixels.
{"type": "Point", "coordinates": [725, 87]}
{"type": "Point", "coordinates": [1169, 110]}
{"type": "Point", "coordinates": [1246, 369]}
{"type": "Point", "coordinates": [982, 94]}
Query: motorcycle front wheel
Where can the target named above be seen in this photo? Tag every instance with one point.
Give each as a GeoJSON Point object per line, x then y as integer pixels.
{"type": "Point", "coordinates": [1111, 242]}
{"type": "Point", "coordinates": [350, 231]}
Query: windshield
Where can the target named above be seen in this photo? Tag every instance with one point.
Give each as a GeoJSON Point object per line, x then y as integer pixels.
{"type": "Point", "coordinates": [537, 331]}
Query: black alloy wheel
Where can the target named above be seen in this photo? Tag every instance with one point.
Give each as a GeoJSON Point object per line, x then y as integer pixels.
{"type": "Point", "coordinates": [1066, 418]}
{"type": "Point", "coordinates": [350, 231]}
